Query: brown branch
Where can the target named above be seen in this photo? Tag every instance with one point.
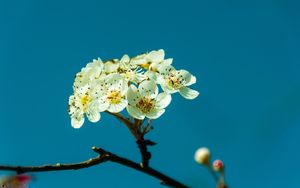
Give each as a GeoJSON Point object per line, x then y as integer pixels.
{"type": "Point", "coordinates": [143, 144]}
{"type": "Point", "coordinates": [103, 156]}
{"type": "Point", "coordinates": [57, 167]}
{"type": "Point", "coordinates": [143, 147]}
{"type": "Point", "coordinates": [164, 179]}
{"type": "Point", "coordinates": [138, 134]}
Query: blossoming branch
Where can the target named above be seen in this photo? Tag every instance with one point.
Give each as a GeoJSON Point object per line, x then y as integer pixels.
{"type": "Point", "coordinates": [140, 87]}
{"type": "Point", "coordinates": [128, 83]}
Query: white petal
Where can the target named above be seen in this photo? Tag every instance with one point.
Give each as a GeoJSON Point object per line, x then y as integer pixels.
{"type": "Point", "coordinates": [93, 116]}
{"type": "Point", "coordinates": [132, 95]}
{"type": "Point", "coordinates": [138, 60]}
{"type": "Point", "coordinates": [188, 93]}
{"type": "Point", "coordinates": [163, 100]}
{"type": "Point", "coordinates": [192, 81]}
{"type": "Point", "coordinates": [135, 112]}
{"type": "Point", "coordinates": [102, 104]}
{"type": "Point", "coordinates": [116, 108]}
{"type": "Point", "coordinates": [138, 77]}
{"type": "Point", "coordinates": [98, 86]}
{"type": "Point", "coordinates": [125, 59]}
{"type": "Point", "coordinates": [148, 88]}
{"type": "Point", "coordinates": [71, 103]}
{"type": "Point", "coordinates": [165, 69]}
{"type": "Point", "coordinates": [156, 56]}
{"type": "Point", "coordinates": [124, 86]}
{"type": "Point", "coordinates": [160, 80]}
{"type": "Point", "coordinates": [92, 69]}
{"type": "Point", "coordinates": [155, 113]}
{"type": "Point", "coordinates": [114, 81]}
{"type": "Point", "coordinates": [167, 62]}
{"type": "Point", "coordinates": [187, 77]}
{"type": "Point", "coordinates": [97, 63]}
{"type": "Point", "coordinates": [77, 122]}
{"type": "Point", "coordinates": [81, 90]}
{"type": "Point", "coordinates": [111, 66]}
{"type": "Point", "coordinates": [152, 75]}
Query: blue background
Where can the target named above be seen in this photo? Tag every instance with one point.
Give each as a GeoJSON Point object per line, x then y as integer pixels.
{"type": "Point", "coordinates": [245, 55]}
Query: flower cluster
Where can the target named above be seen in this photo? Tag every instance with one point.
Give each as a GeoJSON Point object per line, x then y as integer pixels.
{"type": "Point", "coordinates": [128, 83]}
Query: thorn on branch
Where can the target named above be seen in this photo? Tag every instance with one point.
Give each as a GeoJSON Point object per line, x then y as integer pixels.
{"type": "Point", "coordinates": [146, 155]}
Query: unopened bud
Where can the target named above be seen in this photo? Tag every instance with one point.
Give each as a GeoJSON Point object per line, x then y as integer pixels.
{"type": "Point", "coordinates": [23, 178]}
{"type": "Point", "coordinates": [202, 156]}
{"type": "Point", "coordinates": [218, 165]}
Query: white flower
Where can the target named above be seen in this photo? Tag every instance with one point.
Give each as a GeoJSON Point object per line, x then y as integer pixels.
{"type": "Point", "coordinates": [90, 72]}
{"type": "Point", "coordinates": [152, 72]}
{"type": "Point", "coordinates": [145, 101]}
{"type": "Point", "coordinates": [112, 92]}
{"type": "Point", "coordinates": [84, 101]}
{"type": "Point", "coordinates": [156, 65]}
{"type": "Point", "coordinates": [130, 71]}
{"type": "Point", "coordinates": [172, 81]}
{"type": "Point", "coordinates": [125, 63]}
{"type": "Point", "coordinates": [147, 59]}
{"type": "Point", "coordinates": [152, 62]}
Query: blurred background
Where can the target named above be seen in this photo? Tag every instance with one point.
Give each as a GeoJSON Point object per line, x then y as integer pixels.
{"type": "Point", "coordinates": [245, 55]}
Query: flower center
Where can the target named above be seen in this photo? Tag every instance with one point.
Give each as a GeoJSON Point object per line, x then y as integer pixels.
{"type": "Point", "coordinates": [85, 99]}
{"type": "Point", "coordinates": [174, 82]}
{"type": "Point", "coordinates": [114, 97]}
{"type": "Point", "coordinates": [145, 104]}
{"type": "Point", "coordinates": [145, 65]}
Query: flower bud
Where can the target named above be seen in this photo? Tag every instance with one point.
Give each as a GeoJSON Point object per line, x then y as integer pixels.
{"type": "Point", "coordinates": [23, 178]}
{"type": "Point", "coordinates": [202, 156]}
{"type": "Point", "coordinates": [218, 166]}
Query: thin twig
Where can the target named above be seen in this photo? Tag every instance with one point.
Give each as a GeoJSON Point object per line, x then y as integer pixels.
{"type": "Point", "coordinates": [131, 126]}
{"type": "Point", "coordinates": [56, 167]}
{"type": "Point", "coordinates": [145, 131]}
{"type": "Point", "coordinates": [103, 156]}
{"type": "Point", "coordinates": [139, 136]}
{"type": "Point", "coordinates": [220, 180]}
{"type": "Point", "coordinates": [143, 144]}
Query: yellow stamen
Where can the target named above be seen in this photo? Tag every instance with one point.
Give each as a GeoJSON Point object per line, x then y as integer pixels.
{"type": "Point", "coordinates": [145, 65]}
{"type": "Point", "coordinates": [85, 100]}
{"type": "Point", "coordinates": [145, 104]}
{"type": "Point", "coordinates": [114, 97]}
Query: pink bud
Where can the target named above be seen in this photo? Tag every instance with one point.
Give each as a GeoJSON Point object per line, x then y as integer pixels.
{"type": "Point", "coordinates": [218, 165]}
{"type": "Point", "coordinates": [23, 178]}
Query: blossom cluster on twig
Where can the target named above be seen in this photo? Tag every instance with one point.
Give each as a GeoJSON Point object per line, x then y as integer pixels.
{"type": "Point", "coordinates": [128, 83]}
{"type": "Point", "coordinates": [141, 85]}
